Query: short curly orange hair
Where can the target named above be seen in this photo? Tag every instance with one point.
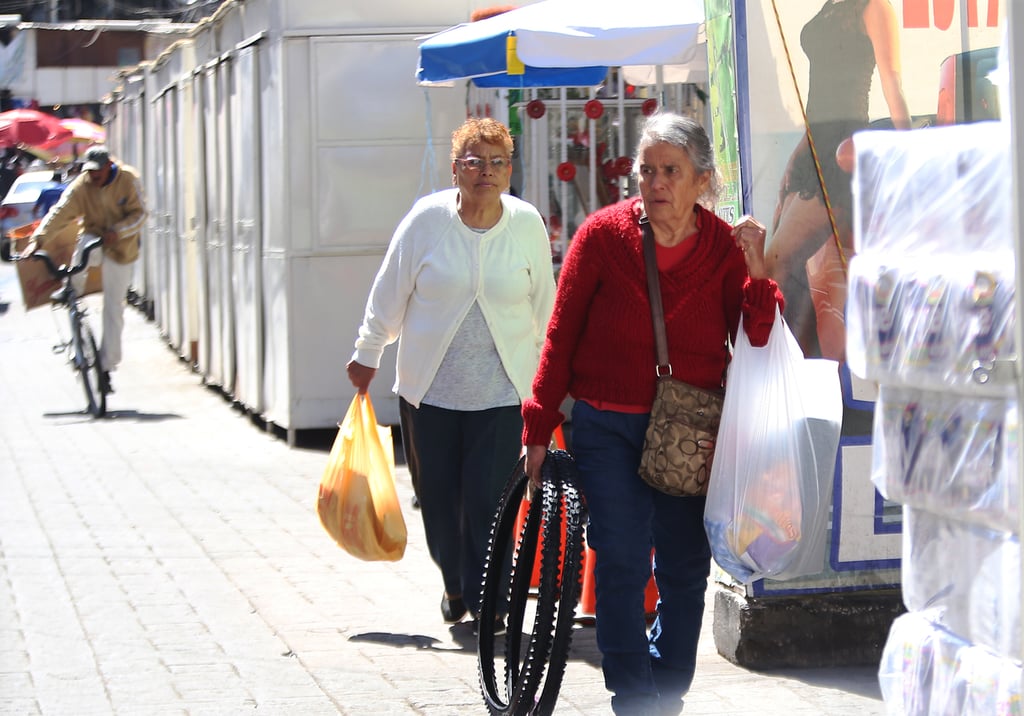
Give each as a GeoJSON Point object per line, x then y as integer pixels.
{"type": "Point", "coordinates": [475, 130]}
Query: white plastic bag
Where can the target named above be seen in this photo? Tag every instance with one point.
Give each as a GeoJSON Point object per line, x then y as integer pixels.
{"type": "Point", "coordinates": [771, 481]}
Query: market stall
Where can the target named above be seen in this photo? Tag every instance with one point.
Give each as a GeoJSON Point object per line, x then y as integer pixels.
{"type": "Point", "coordinates": [280, 144]}
{"type": "Point", "coordinates": [576, 79]}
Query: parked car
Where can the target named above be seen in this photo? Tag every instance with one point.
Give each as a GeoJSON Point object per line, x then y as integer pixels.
{"type": "Point", "coordinates": [16, 207]}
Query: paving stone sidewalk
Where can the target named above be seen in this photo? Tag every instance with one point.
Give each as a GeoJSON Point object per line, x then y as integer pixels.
{"type": "Point", "coordinates": [169, 560]}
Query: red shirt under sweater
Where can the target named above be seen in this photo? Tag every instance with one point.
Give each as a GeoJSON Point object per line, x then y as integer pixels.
{"type": "Point", "coordinates": [600, 342]}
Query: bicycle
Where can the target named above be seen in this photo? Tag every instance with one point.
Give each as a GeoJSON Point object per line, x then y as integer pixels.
{"type": "Point", "coordinates": [81, 347]}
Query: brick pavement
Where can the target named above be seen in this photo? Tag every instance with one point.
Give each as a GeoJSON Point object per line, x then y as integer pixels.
{"type": "Point", "coordinates": [169, 560]}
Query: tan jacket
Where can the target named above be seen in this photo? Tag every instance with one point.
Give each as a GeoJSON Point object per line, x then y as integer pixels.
{"type": "Point", "coordinates": [117, 205]}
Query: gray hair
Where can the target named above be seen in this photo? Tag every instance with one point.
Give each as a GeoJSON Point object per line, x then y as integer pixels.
{"type": "Point", "coordinates": [688, 135]}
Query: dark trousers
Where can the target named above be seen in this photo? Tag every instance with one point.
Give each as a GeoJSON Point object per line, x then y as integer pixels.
{"type": "Point", "coordinates": [459, 462]}
{"type": "Point", "coordinates": [627, 518]}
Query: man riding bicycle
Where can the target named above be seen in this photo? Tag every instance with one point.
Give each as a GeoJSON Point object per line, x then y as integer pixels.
{"type": "Point", "coordinates": [107, 196]}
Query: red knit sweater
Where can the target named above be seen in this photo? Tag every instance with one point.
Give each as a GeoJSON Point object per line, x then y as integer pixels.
{"type": "Point", "coordinates": [600, 341]}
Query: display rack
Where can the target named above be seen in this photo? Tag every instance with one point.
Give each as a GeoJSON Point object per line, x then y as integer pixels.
{"type": "Point", "coordinates": [931, 320]}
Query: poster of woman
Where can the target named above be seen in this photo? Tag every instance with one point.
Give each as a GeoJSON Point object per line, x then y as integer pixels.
{"type": "Point", "coordinates": [836, 67]}
{"type": "Point", "coordinates": [806, 75]}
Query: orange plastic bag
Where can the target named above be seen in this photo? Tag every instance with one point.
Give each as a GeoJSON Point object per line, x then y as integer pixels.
{"type": "Point", "coordinates": [357, 503]}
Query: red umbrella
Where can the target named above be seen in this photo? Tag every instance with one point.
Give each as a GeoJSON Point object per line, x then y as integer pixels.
{"type": "Point", "coordinates": [30, 127]}
{"type": "Point", "coordinates": [84, 131]}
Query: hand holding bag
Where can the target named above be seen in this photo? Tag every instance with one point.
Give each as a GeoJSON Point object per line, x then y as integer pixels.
{"type": "Point", "coordinates": [771, 484]}
{"type": "Point", "coordinates": [679, 445]}
{"type": "Point", "coordinates": [357, 502]}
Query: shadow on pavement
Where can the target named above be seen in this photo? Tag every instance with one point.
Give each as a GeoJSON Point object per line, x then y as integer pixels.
{"type": "Point", "coordinates": [136, 416]}
{"type": "Point", "coordinates": [402, 641]}
{"type": "Point", "coordinates": [83, 414]}
{"type": "Point", "coordinates": [583, 647]}
{"type": "Point", "coordinates": [461, 634]}
{"type": "Point", "coordinates": [129, 415]}
{"type": "Point", "coordinates": [860, 680]}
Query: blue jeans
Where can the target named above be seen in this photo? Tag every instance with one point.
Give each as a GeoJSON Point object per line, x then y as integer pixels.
{"type": "Point", "coordinates": [627, 519]}
{"type": "Point", "coordinates": [460, 462]}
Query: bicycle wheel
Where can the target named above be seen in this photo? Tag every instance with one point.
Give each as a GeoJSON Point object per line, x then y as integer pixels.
{"type": "Point", "coordinates": [560, 580]}
{"type": "Point", "coordinates": [520, 582]}
{"type": "Point", "coordinates": [531, 673]}
{"type": "Point", "coordinates": [85, 359]}
{"type": "Point", "coordinates": [498, 703]}
{"type": "Point", "coordinates": [521, 680]}
{"type": "Point", "coordinates": [570, 586]}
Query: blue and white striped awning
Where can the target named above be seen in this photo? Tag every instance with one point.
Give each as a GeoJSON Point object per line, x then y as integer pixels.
{"type": "Point", "coordinates": [566, 43]}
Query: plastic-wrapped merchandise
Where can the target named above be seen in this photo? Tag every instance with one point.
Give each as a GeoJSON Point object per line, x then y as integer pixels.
{"type": "Point", "coordinates": [948, 454]}
{"type": "Point", "coordinates": [930, 318]}
{"type": "Point", "coordinates": [948, 694]}
{"type": "Point", "coordinates": [969, 576]}
{"type": "Point", "coordinates": [989, 684]}
{"type": "Point", "coordinates": [938, 322]}
{"type": "Point", "coordinates": [927, 670]}
{"type": "Point", "coordinates": [931, 285]}
{"type": "Point", "coordinates": [915, 191]}
{"type": "Point", "coordinates": [1009, 695]}
{"type": "Point", "coordinates": [907, 666]}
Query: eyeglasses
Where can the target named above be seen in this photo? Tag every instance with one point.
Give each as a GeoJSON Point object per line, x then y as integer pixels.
{"type": "Point", "coordinates": [475, 164]}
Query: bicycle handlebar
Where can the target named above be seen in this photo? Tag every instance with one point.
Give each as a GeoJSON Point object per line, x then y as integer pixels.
{"type": "Point", "coordinates": [64, 270]}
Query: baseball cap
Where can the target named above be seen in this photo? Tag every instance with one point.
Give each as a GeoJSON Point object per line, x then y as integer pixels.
{"type": "Point", "coordinates": [95, 158]}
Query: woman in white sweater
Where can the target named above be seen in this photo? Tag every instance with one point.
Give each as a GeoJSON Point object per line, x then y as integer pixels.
{"type": "Point", "coordinates": [467, 288]}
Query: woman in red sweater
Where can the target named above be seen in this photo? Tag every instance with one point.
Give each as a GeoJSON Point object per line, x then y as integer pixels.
{"type": "Point", "coordinates": [600, 350]}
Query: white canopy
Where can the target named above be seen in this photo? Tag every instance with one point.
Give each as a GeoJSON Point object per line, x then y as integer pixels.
{"type": "Point", "coordinates": [570, 43]}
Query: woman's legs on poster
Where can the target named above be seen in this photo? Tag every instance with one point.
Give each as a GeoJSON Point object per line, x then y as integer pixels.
{"type": "Point", "coordinates": [803, 227]}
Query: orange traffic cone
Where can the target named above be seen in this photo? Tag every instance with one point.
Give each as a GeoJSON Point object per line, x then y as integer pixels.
{"type": "Point", "coordinates": [558, 438]}
{"type": "Point", "coordinates": [588, 596]}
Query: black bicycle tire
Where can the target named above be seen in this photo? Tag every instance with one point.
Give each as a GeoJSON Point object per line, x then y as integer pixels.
{"type": "Point", "coordinates": [518, 691]}
{"type": "Point", "coordinates": [531, 673]}
{"type": "Point", "coordinates": [561, 577]}
{"type": "Point", "coordinates": [86, 360]}
{"type": "Point", "coordinates": [501, 529]}
{"type": "Point", "coordinates": [519, 589]}
{"type": "Point", "coordinates": [571, 586]}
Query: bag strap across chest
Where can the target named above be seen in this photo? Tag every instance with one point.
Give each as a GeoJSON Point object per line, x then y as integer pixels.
{"type": "Point", "coordinates": [662, 367]}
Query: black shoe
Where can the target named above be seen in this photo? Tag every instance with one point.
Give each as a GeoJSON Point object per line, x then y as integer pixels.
{"type": "Point", "coordinates": [105, 384]}
{"type": "Point", "coordinates": [452, 608]}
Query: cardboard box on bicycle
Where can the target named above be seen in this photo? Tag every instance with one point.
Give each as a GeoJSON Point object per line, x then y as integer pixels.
{"type": "Point", "coordinates": [36, 282]}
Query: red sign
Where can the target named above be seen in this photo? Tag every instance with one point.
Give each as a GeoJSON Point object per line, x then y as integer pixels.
{"type": "Point", "coordinates": [939, 13]}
